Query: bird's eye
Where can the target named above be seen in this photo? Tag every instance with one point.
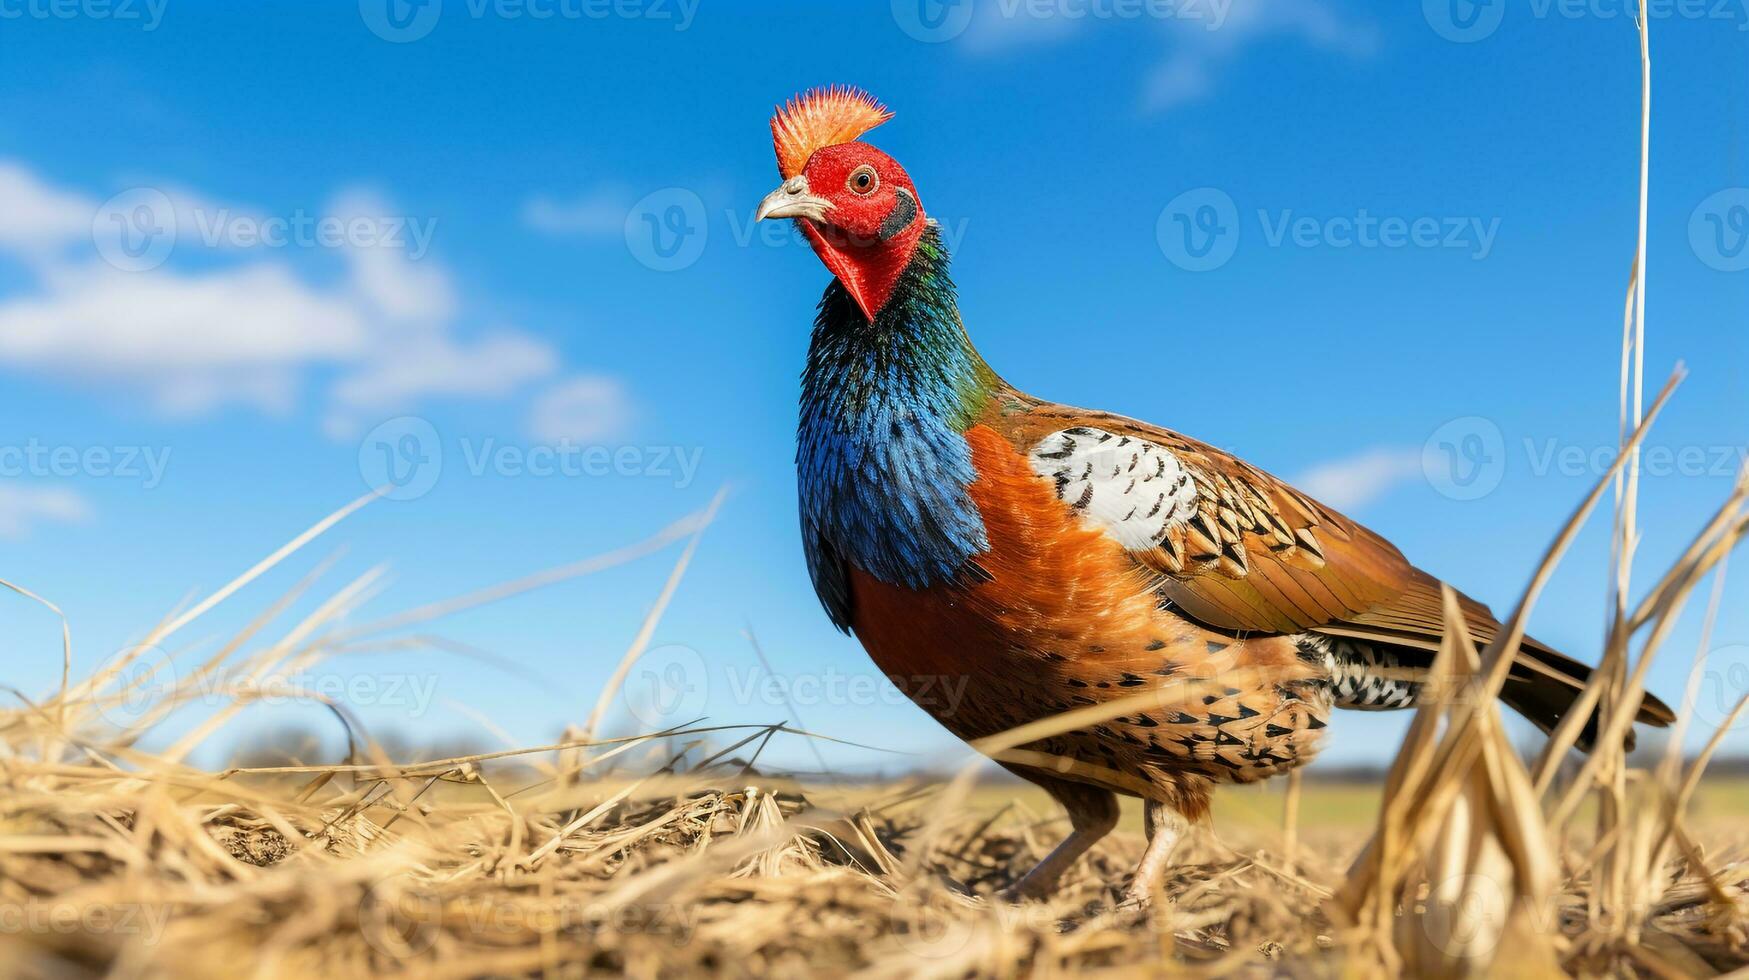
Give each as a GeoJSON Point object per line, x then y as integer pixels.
{"type": "Point", "coordinates": [863, 181]}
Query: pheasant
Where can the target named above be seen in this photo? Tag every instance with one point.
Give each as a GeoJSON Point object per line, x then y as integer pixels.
{"type": "Point", "coordinates": [1047, 558]}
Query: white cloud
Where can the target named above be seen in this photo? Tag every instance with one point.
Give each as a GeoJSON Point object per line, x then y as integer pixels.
{"type": "Point", "coordinates": [1201, 36]}
{"type": "Point", "coordinates": [188, 343]}
{"type": "Point", "coordinates": [1355, 481]}
{"type": "Point", "coordinates": [601, 212]}
{"type": "Point", "coordinates": [35, 218]}
{"type": "Point", "coordinates": [396, 280]}
{"type": "Point", "coordinates": [580, 410]}
{"type": "Point", "coordinates": [1000, 25]}
{"type": "Point", "coordinates": [492, 367]}
{"type": "Point", "coordinates": [400, 289]}
{"type": "Point", "coordinates": [22, 507]}
{"type": "Point", "coordinates": [253, 331]}
{"type": "Point", "coordinates": [1198, 54]}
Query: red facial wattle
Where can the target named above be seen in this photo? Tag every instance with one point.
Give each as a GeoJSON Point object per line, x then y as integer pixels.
{"type": "Point", "coordinates": [868, 274]}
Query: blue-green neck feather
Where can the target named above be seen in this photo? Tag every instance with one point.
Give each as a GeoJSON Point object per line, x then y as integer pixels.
{"type": "Point", "coordinates": [881, 457]}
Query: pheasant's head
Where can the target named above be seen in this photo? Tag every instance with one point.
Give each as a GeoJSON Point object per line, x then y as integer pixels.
{"type": "Point", "coordinates": [856, 204]}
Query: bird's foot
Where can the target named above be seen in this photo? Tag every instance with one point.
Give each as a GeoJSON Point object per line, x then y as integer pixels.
{"type": "Point", "coordinates": [1135, 902]}
{"type": "Point", "coordinates": [1028, 889]}
{"type": "Point", "coordinates": [1164, 832]}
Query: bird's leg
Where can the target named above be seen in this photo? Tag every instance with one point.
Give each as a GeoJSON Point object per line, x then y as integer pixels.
{"type": "Point", "coordinates": [1165, 829]}
{"type": "Point", "coordinates": [1092, 814]}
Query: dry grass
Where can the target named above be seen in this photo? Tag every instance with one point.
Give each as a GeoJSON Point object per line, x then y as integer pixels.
{"type": "Point", "coordinates": [551, 861]}
{"type": "Point", "coordinates": [120, 863]}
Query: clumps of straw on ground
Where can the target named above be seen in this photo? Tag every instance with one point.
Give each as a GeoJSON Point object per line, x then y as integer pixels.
{"type": "Point", "coordinates": [115, 862]}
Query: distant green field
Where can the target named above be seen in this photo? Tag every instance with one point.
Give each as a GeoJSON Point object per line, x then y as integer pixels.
{"type": "Point", "coordinates": [1327, 806]}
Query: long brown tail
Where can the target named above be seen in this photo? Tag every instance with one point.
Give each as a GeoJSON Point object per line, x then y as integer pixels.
{"type": "Point", "coordinates": [1373, 674]}
{"type": "Point", "coordinates": [1543, 685]}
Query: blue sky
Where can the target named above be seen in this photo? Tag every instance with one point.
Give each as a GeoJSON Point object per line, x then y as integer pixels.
{"type": "Point", "coordinates": [252, 256]}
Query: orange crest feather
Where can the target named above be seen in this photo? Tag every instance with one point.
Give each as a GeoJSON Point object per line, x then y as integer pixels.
{"type": "Point", "coordinates": [821, 117]}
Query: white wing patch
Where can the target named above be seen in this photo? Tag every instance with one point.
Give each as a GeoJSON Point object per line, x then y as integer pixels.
{"type": "Point", "coordinates": [1135, 490]}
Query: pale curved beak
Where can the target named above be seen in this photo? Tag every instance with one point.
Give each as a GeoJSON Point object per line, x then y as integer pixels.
{"type": "Point", "coordinates": [793, 200]}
